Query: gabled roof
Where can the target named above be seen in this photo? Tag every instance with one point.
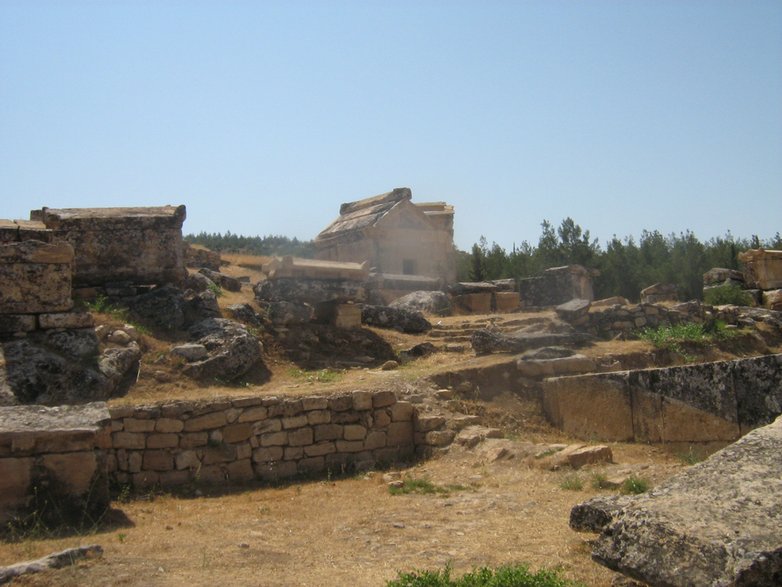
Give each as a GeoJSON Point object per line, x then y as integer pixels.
{"type": "Point", "coordinates": [356, 216]}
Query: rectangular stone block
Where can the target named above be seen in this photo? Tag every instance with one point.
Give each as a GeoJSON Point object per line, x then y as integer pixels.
{"type": "Point", "coordinates": [268, 454]}
{"type": "Point", "coordinates": [193, 439]}
{"type": "Point", "coordinates": [311, 465]}
{"type": "Point", "coordinates": [129, 440]}
{"type": "Point", "coordinates": [224, 453]}
{"type": "Point", "coordinates": [314, 403]}
{"type": "Point", "coordinates": [237, 432]}
{"type": "Point", "coordinates": [134, 425]}
{"type": "Point", "coordinates": [274, 439]}
{"type": "Point", "coordinates": [300, 437]}
{"type": "Point", "coordinates": [240, 471]}
{"type": "Point", "coordinates": [318, 417]}
{"type": "Point", "coordinates": [381, 399]}
{"type": "Point", "coordinates": [399, 433]}
{"type": "Point", "coordinates": [293, 453]}
{"type": "Point", "coordinates": [507, 301]}
{"type": "Point", "coordinates": [350, 445]}
{"type": "Point", "coordinates": [362, 400]}
{"type": "Point", "coordinates": [320, 449]}
{"type": "Point", "coordinates": [162, 441]}
{"type": "Point", "coordinates": [157, 460]}
{"type": "Point", "coordinates": [66, 320]}
{"type": "Point", "coordinates": [327, 432]}
{"type": "Point", "coordinates": [253, 414]}
{"type": "Point", "coordinates": [168, 425]}
{"type": "Point", "coordinates": [375, 439]}
{"type": "Point", "coordinates": [354, 432]}
{"type": "Point", "coordinates": [294, 422]}
{"type": "Point", "coordinates": [402, 411]}
{"type": "Point", "coordinates": [266, 426]}
{"type": "Point", "coordinates": [205, 422]}
{"type": "Point", "coordinates": [590, 406]}
{"type": "Point", "coordinates": [15, 476]}
{"type": "Point", "coordinates": [340, 403]}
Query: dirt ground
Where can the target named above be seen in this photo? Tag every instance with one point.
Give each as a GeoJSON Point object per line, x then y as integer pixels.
{"type": "Point", "coordinates": [349, 531]}
{"type": "Point", "coordinates": [353, 530]}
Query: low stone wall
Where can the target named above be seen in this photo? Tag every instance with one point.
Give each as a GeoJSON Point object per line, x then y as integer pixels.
{"type": "Point", "coordinates": [693, 403]}
{"type": "Point", "coordinates": [53, 463]}
{"type": "Point", "coordinates": [265, 438]}
{"type": "Point", "coordinates": [610, 321]}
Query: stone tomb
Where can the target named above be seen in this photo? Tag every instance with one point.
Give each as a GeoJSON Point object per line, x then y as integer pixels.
{"type": "Point", "coordinates": [139, 246]}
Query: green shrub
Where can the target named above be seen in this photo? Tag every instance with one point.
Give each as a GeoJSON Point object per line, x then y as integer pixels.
{"type": "Point", "coordinates": [572, 483]}
{"type": "Point", "coordinates": [517, 575]}
{"type": "Point", "coordinates": [600, 481]}
{"type": "Point", "coordinates": [424, 487]}
{"type": "Point", "coordinates": [634, 485]}
{"type": "Point", "coordinates": [727, 294]}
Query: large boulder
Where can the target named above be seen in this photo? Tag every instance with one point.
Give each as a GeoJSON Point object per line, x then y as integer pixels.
{"type": "Point", "coordinates": [717, 523]}
{"type": "Point", "coordinates": [224, 281]}
{"type": "Point", "coordinates": [63, 367]}
{"type": "Point", "coordinates": [163, 308]}
{"type": "Point", "coordinates": [231, 350]}
{"type": "Point", "coordinates": [409, 321]}
{"type": "Point", "coordinates": [429, 302]}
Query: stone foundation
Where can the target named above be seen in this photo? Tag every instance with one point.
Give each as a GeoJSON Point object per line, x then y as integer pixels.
{"type": "Point", "coordinates": [693, 403]}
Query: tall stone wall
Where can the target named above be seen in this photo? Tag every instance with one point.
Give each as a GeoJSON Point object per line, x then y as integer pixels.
{"type": "Point", "coordinates": [692, 403]}
{"type": "Point", "coordinates": [120, 245]}
{"type": "Point", "coordinates": [239, 440]}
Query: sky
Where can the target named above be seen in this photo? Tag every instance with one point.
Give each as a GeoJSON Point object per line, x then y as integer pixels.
{"type": "Point", "coordinates": [262, 117]}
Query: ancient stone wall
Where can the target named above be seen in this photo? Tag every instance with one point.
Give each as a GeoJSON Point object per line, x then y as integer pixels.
{"type": "Point", "coordinates": [238, 440]}
{"type": "Point", "coordinates": [610, 321]}
{"type": "Point", "coordinates": [692, 403]}
{"type": "Point", "coordinates": [52, 463]}
{"type": "Point", "coordinates": [35, 287]}
{"type": "Point", "coordinates": [120, 245]}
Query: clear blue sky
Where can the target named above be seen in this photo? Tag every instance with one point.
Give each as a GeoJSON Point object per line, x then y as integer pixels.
{"type": "Point", "coordinates": [262, 117]}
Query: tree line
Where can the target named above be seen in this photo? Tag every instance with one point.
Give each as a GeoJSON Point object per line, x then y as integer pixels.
{"type": "Point", "coordinates": [253, 245]}
{"type": "Point", "coordinates": [624, 267]}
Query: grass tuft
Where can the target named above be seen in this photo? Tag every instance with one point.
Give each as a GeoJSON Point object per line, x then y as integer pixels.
{"type": "Point", "coordinates": [517, 575]}
{"type": "Point", "coordinates": [634, 485]}
{"type": "Point", "coordinates": [424, 487]}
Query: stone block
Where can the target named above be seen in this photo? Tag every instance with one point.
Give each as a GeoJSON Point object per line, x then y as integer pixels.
{"type": "Point", "coordinates": [293, 453]}
{"type": "Point", "coordinates": [399, 433]}
{"type": "Point", "coordinates": [507, 301]}
{"type": "Point", "coordinates": [327, 432]}
{"type": "Point", "coordinates": [318, 417]}
{"type": "Point", "coordinates": [35, 277]}
{"type": "Point", "coordinates": [340, 403]}
{"type": "Point", "coordinates": [66, 320]}
{"type": "Point", "coordinates": [134, 425]}
{"type": "Point", "coordinates": [294, 422]}
{"type": "Point", "coordinates": [440, 438]}
{"type": "Point", "coordinates": [77, 471]}
{"type": "Point", "coordinates": [205, 422]}
{"type": "Point", "coordinates": [129, 440]}
{"type": "Point", "coordinates": [187, 459]}
{"type": "Point", "coordinates": [300, 437]}
{"type": "Point", "coordinates": [135, 460]}
{"type": "Point", "coordinates": [475, 303]}
{"type": "Point", "coordinates": [402, 411]}
{"type": "Point", "coordinates": [350, 445]}
{"type": "Point", "coordinates": [193, 439]}
{"type": "Point", "coordinates": [168, 425]}
{"type": "Point", "coordinates": [15, 477]}
{"type": "Point", "coordinates": [276, 470]}
{"type": "Point", "coordinates": [145, 479]}
{"type": "Point", "coordinates": [162, 441]}
{"type": "Point", "coordinates": [311, 465]}
{"type": "Point", "coordinates": [274, 439]}
{"type": "Point", "coordinates": [268, 454]}
{"type": "Point", "coordinates": [157, 460]}
{"type": "Point", "coordinates": [362, 400]}
{"type": "Point", "coordinates": [375, 439]}
{"type": "Point", "coordinates": [224, 453]}
{"type": "Point", "coordinates": [382, 399]}
{"type": "Point", "coordinates": [237, 432]}
{"type": "Point", "coordinates": [314, 403]}
{"type": "Point", "coordinates": [320, 449]}
{"type": "Point", "coordinates": [590, 406]}
{"type": "Point", "coordinates": [381, 419]}
{"type": "Point", "coordinates": [354, 432]}
{"type": "Point", "coordinates": [427, 423]}
{"type": "Point", "coordinates": [253, 414]}
{"type": "Point", "coordinates": [266, 426]}
{"type": "Point", "coordinates": [174, 478]}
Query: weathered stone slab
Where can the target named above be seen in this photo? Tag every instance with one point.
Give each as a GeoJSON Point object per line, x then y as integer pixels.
{"type": "Point", "coordinates": [717, 523]}
{"type": "Point", "coordinates": [310, 291]}
{"type": "Point", "coordinates": [762, 269]}
{"type": "Point", "coordinates": [410, 321]}
{"type": "Point", "coordinates": [66, 320]}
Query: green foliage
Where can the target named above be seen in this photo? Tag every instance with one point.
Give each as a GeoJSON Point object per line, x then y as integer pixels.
{"type": "Point", "coordinates": [634, 485]}
{"type": "Point", "coordinates": [727, 294]}
{"type": "Point", "coordinates": [254, 245]}
{"type": "Point", "coordinates": [675, 337]}
{"type": "Point", "coordinates": [515, 575]}
{"type": "Point", "coordinates": [625, 266]}
{"type": "Point", "coordinates": [572, 483]}
{"type": "Point", "coordinates": [689, 457]}
{"type": "Point", "coordinates": [423, 487]}
{"type": "Point", "coordinates": [321, 376]}
{"type": "Point", "coordinates": [599, 481]}
{"type": "Point", "coordinates": [101, 305]}
{"type": "Point", "coordinates": [215, 289]}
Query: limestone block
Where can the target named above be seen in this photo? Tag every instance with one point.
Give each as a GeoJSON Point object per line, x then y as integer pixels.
{"type": "Point", "coordinates": [193, 439]}
{"type": "Point", "coordinates": [223, 453]}
{"type": "Point", "coordinates": [35, 277]}
{"type": "Point", "coordinates": [268, 454]}
{"type": "Point", "coordinates": [773, 299]}
{"type": "Point", "coordinates": [381, 399]}
{"type": "Point", "coordinates": [587, 406]}
{"type": "Point", "coordinates": [402, 411]}
{"type": "Point", "coordinates": [341, 403]}
{"type": "Point", "coordinates": [350, 445]}
{"type": "Point", "coordinates": [399, 433]}
{"type": "Point", "coordinates": [168, 425]}
{"type": "Point", "coordinates": [319, 417]}
{"type": "Point", "coordinates": [66, 320]}
{"type": "Point", "coordinates": [274, 439]}
{"type": "Point", "coordinates": [15, 476]}
{"type": "Point", "coordinates": [762, 269]}
{"type": "Point", "coordinates": [205, 422]}
{"type": "Point", "coordinates": [253, 414]}
{"type": "Point", "coordinates": [293, 453]}
{"type": "Point", "coordinates": [294, 422]}
{"type": "Point", "coordinates": [134, 425]}
{"type": "Point", "coordinates": [187, 459]}
{"type": "Point", "coordinates": [162, 441]}
{"type": "Point", "coordinates": [327, 432]}
{"type": "Point", "coordinates": [300, 437]}
{"type": "Point", "coordinates": [240, 470]}
{"type": "Point", "coordinates": [427, 423]}
{"type": "Point", "coordinates": [362, 400]}
{"type": "Point", "coordinates": [135, 440]}
{"type": "Point", "coordinates": [75, 470]}
{"type": "Point", "coordinates": [237, 432]}
{"type": "Point", "coordinates": [354, 432]}
{"type": "Point", "coordinates": [320, 449]}
{"type": "Point", "coordinates": [157, 460]}
{"type": "Point", "coordinates": [375, 439]}
{"type": "Point", "coordinates": [507, 301]}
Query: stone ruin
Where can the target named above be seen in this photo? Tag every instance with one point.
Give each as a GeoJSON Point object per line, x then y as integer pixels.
{"type": "Point", "coordinates": [761, 278]}
{"type": "Point", "coordinates": [555, 286]}
{"type": "Point", "coordinates": [119, 248]}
